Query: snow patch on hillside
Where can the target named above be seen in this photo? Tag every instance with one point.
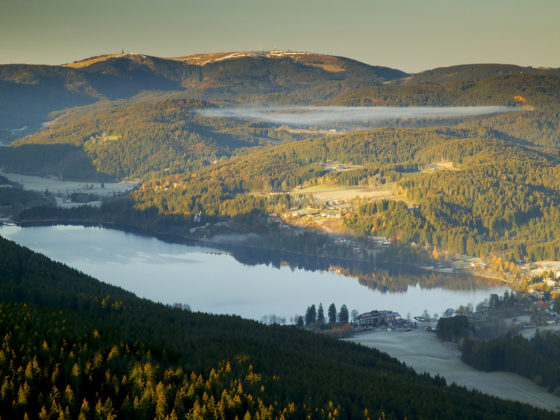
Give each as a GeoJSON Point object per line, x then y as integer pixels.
{"type": "Point", "coordinates": [203, 59]}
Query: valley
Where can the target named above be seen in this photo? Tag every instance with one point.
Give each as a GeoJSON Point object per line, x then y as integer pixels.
{"type": "Point", "coordinates": [250, 185]}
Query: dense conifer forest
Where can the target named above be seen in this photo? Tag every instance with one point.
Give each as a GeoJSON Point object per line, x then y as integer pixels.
{"type": "Point", "coordinates": [501, 197]}
{"type": "Point", "coordinates": [536, 90]}
{"type": "Point", "coordinates": [511, 353]}
{"type": "Point", "coordinates": [143, 139]}
{"type": "Point", "coordinates": [73, 347]}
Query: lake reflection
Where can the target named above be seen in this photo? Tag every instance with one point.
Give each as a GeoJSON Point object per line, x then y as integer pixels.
{"type": "Point", "coordinates": [213, 281]}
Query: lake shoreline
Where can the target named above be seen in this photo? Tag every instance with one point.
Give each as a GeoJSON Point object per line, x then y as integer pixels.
{"type": "Point", "coordinates": [252, 284]}
{"type": "Point", "coordinates": [221, 242]}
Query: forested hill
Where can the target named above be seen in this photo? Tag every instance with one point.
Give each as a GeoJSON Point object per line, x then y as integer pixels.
{"type": "Point", "coordinates": [74, 347]}
{"type": "Point", "coordinates": [149, 135]}
{"type": "Point", "coordinates": [471, 72]}
{"type": "Point", "coordinates": [133, 140]}
{"type": "Point", "coordinates": [28, 93]}
{"type": "Point", "coordinates": [536, 92]}
{"type": "Point", "coordinates": [499, 197]}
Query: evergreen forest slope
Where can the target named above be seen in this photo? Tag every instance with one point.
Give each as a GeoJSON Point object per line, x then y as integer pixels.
{"type": "Point", "coordinates": [500, 197]}
{"type": "Point", "coordinates": [134, 140]}
{"type": "Point", "coordinates": [158, 132]}
{"type": "Point", "coordinates": [75, 347]}
{"type": "Point", "coordinates": [471, 72]}
{"type": "Point", "coordinates": [537, 93]}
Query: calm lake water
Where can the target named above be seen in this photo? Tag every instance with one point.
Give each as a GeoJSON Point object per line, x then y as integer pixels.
{"type": "Point", "coordinates": [213, 281]}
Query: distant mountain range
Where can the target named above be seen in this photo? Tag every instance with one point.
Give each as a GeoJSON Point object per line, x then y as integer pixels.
{"type": "Point", "coordinates": [139, 121]}
{"type": "Point", "coordinates": [29, 93]}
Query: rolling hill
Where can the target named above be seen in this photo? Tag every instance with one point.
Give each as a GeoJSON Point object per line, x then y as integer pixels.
{"type": "Point", "coordinates": [137, 122]}
{"type": "Point", "coordinates": [28, 93]}
{"type": "Point", "coordinates": [537, 92]}
{"type": "Point", "coordinates": [500, 198]}
{"type": "Point", "coordinates": [139, 139]}
{"type": "Point", "coordinates": [471, 72]}
{"type": "Point", "coordinates": [161, 133]}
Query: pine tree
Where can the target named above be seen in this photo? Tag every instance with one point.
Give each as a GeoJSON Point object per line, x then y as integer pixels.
{"type": "Point", "coordinates": [343, 314]}
{"type": "Point", "coordinates": [332, 314]}
{"type": "Point", "coordinates": [320, 314]}
{"type": "Point", "coordinates": [310, 315]}
{"type": "Point", "coordinates": [161, 401]}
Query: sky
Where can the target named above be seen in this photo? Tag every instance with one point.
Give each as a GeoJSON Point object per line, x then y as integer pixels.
{"type": "Point", "coordinates": [411, 35]}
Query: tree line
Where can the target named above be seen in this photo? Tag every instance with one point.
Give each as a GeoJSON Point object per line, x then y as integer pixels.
{"type": "Point", "coordinates": [316, 315]}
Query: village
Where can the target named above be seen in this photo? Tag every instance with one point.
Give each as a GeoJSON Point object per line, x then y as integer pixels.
{"type": "Point", "coordinates": [512, 313]}
{"type": "Point", "coordinates": [324, 208]}
{"type": "Point", "coordinates": [521, 314]}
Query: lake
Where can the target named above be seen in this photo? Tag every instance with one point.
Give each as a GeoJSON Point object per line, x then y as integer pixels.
{"type": "Point", "coordinates": [214, 281]}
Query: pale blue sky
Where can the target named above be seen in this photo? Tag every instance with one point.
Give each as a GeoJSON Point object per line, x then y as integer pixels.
{"type": "Point", "coordinates": [412, 35]}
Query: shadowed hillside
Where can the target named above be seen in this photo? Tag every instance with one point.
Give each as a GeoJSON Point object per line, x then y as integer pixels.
{"type": "Point", "coordinates": [73, 346]}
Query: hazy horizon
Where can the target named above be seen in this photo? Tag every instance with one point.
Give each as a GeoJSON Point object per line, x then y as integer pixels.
{"type": "Point", "coordinates": [77, 59]}
{"type": "Point", "coordinates": [409, 35]}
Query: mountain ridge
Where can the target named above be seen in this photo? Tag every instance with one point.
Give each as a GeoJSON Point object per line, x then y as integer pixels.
{"type": "Point", "coordinates": [29, 92]}
{"type": "Point", "coordinates": [201, 59]}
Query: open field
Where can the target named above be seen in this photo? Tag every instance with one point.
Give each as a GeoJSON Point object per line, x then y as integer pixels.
{"type": "Point", "coordinates": [345, 193]}
{"type": "Point", "coordinates": [548, 265]}
{"type": "Point", "coordinates": [57, 186]}
{"type": "Point", "coordinates": [334, 226]}
{"type": "Point", "coordinates": [529, 333]}
{"type": "Point", "coordinates": [438, 166]}
{"type": "Point", "coordinates": [425, 353]}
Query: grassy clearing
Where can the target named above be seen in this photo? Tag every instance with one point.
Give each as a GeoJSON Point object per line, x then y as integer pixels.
{"type": "Point", "coordinates": [425, 353]}
{"type": "Point", "coordinates": [346, 193]}
{"type": "Point", "coordinates": [57, 186]}
{"type": "Point", "coordinates": [432, 167]}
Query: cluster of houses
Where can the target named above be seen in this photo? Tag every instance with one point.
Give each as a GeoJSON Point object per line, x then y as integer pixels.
{"type": "Point", "coordinates": [380, 240]}
{"type": "Point", "coordinates": [334, 211]}
{"type": "Point", "coordinates": [549, 274]}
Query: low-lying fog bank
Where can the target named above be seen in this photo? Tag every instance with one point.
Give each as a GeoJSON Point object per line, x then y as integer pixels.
{"type": "Point", "coordinates": [331, 115]}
